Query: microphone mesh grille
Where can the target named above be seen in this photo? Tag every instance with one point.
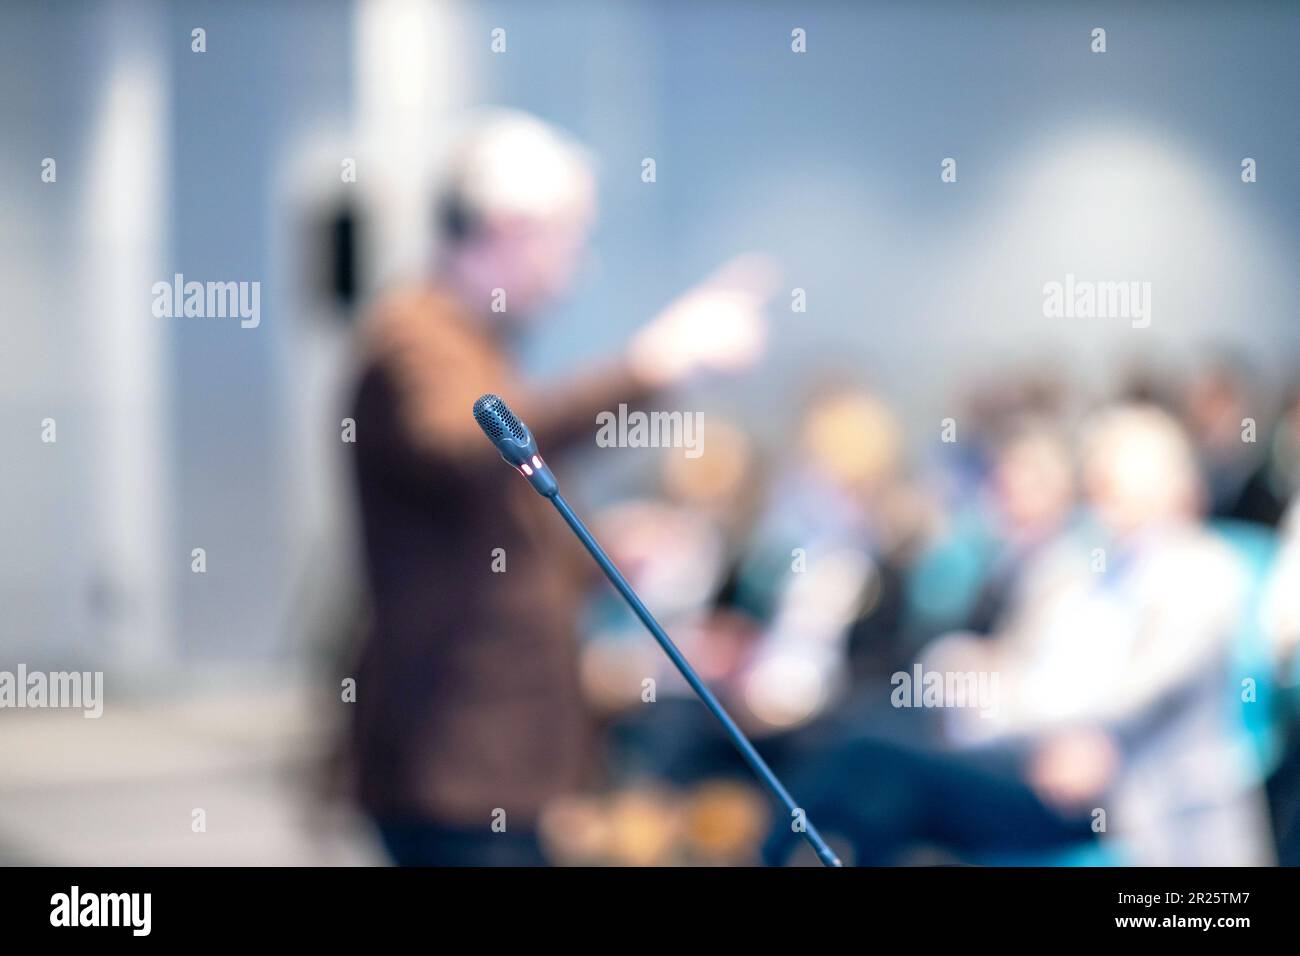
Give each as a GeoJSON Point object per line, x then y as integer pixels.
{"type": "Point", "coordinates": [496, 419]}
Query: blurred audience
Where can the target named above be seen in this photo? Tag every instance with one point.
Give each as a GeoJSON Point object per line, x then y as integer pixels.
{"type": "Point", "coordinates": [1115, 660]}
{"type": "Point", "coordinates": [821, 568]}
{"type": "Point", "coordinates": [1115, 709]}
{"type": "Point", "coordinates": [1215, 402]}
{"type": "Point", "coordinates": [1275, 482]}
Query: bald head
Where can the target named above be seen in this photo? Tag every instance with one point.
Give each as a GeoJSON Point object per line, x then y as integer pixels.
{"type": "Point", "coordinates": [510, 167]}
{"type": "Point", "coordinates": [516, 211]}
{"type": "Point", "coordinates": [1139, 469]}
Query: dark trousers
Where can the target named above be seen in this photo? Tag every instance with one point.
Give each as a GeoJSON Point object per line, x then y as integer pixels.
{"type": "Point", "coordinates": [424, 843]}
{"type": "Point", "coordinates": [887, 800]}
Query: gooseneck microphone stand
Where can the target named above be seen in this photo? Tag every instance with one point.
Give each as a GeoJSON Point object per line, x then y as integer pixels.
{"type": "Point", "coordinates": [518, 447]}
{"type": "Point", "coordinates": [738, 738]}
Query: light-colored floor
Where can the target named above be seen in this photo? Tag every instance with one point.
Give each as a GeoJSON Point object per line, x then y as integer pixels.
{"type": "Point", "coordinates": [122, 789]}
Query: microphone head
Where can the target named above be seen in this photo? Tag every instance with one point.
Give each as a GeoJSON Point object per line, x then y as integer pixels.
{"type": "Point", "coordinates": [497, 420]}
{"type": "Point", "coordinates": [504, 429]}
{"type": "Point", "coordinates": [515, 442]}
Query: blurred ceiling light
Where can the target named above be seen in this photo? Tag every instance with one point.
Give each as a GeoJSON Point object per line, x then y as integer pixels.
{"type": "Point", "coordinates": [1109, 203]}
{"type": "Point", "coordinates": [1114, 202]}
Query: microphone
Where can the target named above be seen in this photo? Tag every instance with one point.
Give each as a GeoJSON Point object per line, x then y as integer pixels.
{"type": "Point", "coordinates": [518, 447]}
{"type": "Point", "coordinates": [515, 442]}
